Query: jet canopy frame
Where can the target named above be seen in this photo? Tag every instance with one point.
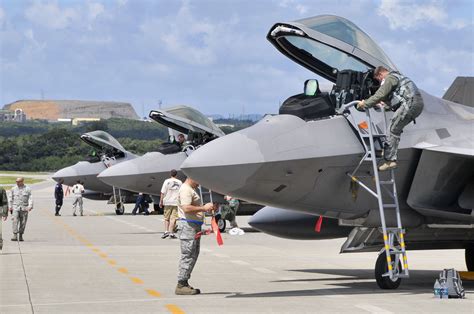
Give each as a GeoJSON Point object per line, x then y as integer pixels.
{"type": "Point", "coordinates": [186, 120]}
{"type": "Point", "coordinates": [104, 143]}
{"type": "Point", "coordinates": [327, 44]}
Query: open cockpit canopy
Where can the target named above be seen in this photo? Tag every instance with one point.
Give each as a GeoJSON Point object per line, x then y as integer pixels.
{"type": "Point", "coordinates": [327, 44]}
{"type": "Point", "coordinates": [186, 120]}
{"type": "Point", "coordinates": [104, 143]}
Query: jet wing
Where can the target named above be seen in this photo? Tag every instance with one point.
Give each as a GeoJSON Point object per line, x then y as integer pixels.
{"type": "Point", "coordinates": [468, 152]}
{"type": "Point", "coordinates": [185, 119]}
{"type": "Point", "coordinates": [444, 179]}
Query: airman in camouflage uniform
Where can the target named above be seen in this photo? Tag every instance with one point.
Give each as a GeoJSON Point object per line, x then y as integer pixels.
{"type": "Point", "coordinates": [21, 203]}
{"type": "Point", "coordinates": [191, 217]}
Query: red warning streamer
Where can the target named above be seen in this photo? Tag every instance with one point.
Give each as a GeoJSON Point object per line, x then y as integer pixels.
{"type": "Point", "coordinates": [317, 228]}
{"type": "Point", "coordinates": [215, 228]}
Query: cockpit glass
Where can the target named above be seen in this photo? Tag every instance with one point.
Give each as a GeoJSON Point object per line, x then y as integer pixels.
{"type": "Point", "coordinates": [347, 32]}
{"type": "Point", "coordinates": [193, 115]}
{"type": "Point", "coordinates": [331, 56]}
{"type": "Point", "coordinates": [102, 138]}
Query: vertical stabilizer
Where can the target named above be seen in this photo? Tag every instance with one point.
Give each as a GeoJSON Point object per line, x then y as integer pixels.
{"type": "Point", "coordinates": [461, 91]}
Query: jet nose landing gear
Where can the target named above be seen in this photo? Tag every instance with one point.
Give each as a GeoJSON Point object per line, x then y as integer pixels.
{"type": "Point", "coordinates": [382, 275]}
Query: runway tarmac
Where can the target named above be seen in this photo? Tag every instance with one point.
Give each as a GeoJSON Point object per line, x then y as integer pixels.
{"type": "Point", "coordinates": [103, 263]}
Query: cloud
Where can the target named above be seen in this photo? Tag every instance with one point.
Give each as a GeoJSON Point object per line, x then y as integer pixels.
{"type": "Point", "coordinates": [30, 35]}
{"type": "Point", "coordinates": [191, 40]}
{"type": "Point", "coordinates": [405, 15]}
{"type": "Point", "coordinates": [2, 15]}
{"type": "Point", "coordinates": [95, 9]}
{"type": "Point", "coordinates": [432, 69]}
{"type": "Point", "coordinates": [50, 15]}
{"type": "Point", "coordinates": [122, 3]}
{"type": "Point", "coordinates": [293, 4]}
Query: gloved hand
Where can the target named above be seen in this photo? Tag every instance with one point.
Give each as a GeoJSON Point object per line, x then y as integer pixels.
{"type": "Point", "coordinates": [361, 105]}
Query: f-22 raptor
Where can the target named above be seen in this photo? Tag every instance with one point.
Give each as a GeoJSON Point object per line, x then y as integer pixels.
{"type": "Point", "coordinates": [303, 159]}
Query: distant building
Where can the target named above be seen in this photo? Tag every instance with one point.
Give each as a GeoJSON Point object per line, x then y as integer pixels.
{"type": "Point", "coordinates": [53, 110]}
{"type": "Point", "coordinates": [14, 116]}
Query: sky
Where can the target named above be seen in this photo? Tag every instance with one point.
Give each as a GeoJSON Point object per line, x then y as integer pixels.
{"type": "Point", "coordinates": [209, 54]}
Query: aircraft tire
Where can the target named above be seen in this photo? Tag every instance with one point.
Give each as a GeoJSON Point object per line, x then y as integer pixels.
{"type": "Point", "coordinates": [469, 254]}
{"type": "Point", "coordinates": [221, 224]}
{"type": "Point", "coordinates": [119, 209]}
{"type": "Point", "coordinates": [381, 268]}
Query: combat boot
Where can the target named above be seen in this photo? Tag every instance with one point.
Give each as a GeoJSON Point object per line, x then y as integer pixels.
{"type": "Point", "coordinates": [183, 288]}
{"type": "Point", "coordinates": [15, 237]}
{"type": "Point", "coordinates": [21, 237]}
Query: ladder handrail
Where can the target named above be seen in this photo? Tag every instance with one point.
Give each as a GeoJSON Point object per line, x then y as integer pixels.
{"type": "Point", "coordinates": [389, 234]}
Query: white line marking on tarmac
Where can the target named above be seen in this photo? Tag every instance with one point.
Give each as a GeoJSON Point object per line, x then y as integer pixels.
{"type": "Point", "coordinates": [239, 262]}
{"type": "Point", "coordinates": [161, 299]}
{"type": "Point", "coordinates": [263, 270]}
{"type": "Point", "coordinates": [372, 309]}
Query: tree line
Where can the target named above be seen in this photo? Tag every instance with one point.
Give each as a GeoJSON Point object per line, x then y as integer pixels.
{"type": "Point", "coordinates": [43, 146]}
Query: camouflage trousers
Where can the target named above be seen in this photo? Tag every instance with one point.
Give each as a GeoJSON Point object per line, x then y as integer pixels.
{"type": "Point", "coordinates": [19, 221]}
{"type": "Point", "coordinates": [402, 117]}
{"type": "Point", "coordinates": [189, 248]}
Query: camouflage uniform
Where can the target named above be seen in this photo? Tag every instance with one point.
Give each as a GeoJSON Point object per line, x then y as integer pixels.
{"type": "Point", "coordinates": [190, 247]}
{"type": "Point", "coordinates": [20, 202]}
{"type": "Point", "coordinates": [403, 95]}
{"type": "Point", "coordinates": [3, 211]}
{"type": "Point", "coordinates": [188, 226]}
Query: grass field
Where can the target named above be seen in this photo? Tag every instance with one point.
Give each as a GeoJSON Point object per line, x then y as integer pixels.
{"type": "Point", "coordinates": [22, 172]}
{"type": "Point", "coordinates": [12, 180]}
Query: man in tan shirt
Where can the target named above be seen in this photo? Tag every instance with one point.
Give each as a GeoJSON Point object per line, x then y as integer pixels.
{"type": "Point", "coordinates": [191, 218]}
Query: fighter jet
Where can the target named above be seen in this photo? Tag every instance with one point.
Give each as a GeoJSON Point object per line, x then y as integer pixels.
{"type": "Point", "coordinates": [107, 152]}
{"type": "Point", "coordinates": [300, 159]}
{"type": "Point", "coordinates": [147, 173]}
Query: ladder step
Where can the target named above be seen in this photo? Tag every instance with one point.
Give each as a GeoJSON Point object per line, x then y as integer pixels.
{"type": "Point", "coordinates": [390, 205]}
{"type": "Point", "coordinates": [373, 135]}
{"type": "Point", "coordinates": [387, 182]}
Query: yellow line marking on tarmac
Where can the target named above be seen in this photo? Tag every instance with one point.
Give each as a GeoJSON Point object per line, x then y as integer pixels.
{"type": "Point", "coordinates": [153, 293]}
{"type": "Point", "coordinates": [136, 280]}
{"type": "Point", "coordinates": [174, 309]}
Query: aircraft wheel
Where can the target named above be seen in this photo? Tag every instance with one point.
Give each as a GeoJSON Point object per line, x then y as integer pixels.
{"type": "Point", "coordinates": [469, 254]}
{"type": "Point", "coordinates": [119, 208]}
{"type": "Point", "coordinates": [381, 268]}
{"type": "Point", "coordinates": [221, 224]}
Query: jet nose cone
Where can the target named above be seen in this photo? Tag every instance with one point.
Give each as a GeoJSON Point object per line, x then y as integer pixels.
{"type": "Point", "coordinates": [68, 174]}
{"type": "Point", "coordinates": [121, 175]}
{"type": "Point", "coordinates": [224, 164]}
